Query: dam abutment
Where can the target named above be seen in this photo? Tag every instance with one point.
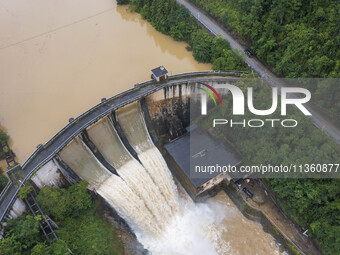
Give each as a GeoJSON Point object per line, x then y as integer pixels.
{"type": "Point", "coordinates": [169, 111]}
{"type": "Point", "coordinates": [147, 119]}
{"type": "Point", "coordinates": [67, 171]}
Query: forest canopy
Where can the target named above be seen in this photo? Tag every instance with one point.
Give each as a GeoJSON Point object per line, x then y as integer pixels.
{"type": "Point", "coordinates": [175, 20]}
{"type": "Point", "coordinates": [80, 229]}
{"type": "Point", "coordinates": [295, 38]}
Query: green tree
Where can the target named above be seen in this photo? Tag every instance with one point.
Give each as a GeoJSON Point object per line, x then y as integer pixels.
{"type": "Point", "coordinates": [218, 46]}
{"type": "Point", "coordinates": [25, 229]}
{"type": "Point", "coordinates": [180, 24]}
{"type": "Point", "coordinates": [294, 38]}
{"type": "Point", "coordinates": [3, 181]}
{"type": "Point", "coordinates": [62, 203]}
{"type": "Point", "coordinates": [87, 234]}
{"type": "Point", "coordinates": [57, 248]}
{"type": "Point", "coordinates": [122, 2]}
{"type": "Point", "coordinates": [3, 137]}
{"type": "Point", "coordinates": [79, 198]}
{"type": "Point", "coordinates": [10, 246]}
{"type": "Point", "coordinates": [40, 249]}
{"type": "Point", "coordinates": [201, 45]}
{"type": "Point", "coordinates": [24, 191]}
{"type": "Point", "coordinates": [54, 202]}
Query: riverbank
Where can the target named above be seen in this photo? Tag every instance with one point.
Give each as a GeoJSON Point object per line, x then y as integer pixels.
{"type": "Point", "coordinates": [263, 209]}
{"type": "Point", "coordinates": [3, 177]}
{"type": "Point", "coordinates": [3, 165]}
{"type": "Point", "coordinates": [126, 237]}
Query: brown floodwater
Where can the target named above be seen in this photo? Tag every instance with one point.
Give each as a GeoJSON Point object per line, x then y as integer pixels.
{"type": "Point", "coordinates": [59, 58]}
{"type": "Point", "coordinates": [244, 237]}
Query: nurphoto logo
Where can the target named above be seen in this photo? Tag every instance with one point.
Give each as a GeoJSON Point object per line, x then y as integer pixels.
{"type": "Point", "coordinates": [239, 105]}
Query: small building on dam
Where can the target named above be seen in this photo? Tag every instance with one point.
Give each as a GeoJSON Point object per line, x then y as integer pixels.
{"type": "Point", "coordinates": [159, 73]}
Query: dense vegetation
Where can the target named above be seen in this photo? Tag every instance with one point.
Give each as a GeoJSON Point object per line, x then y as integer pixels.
{"type": "Point", "coordinates": [174, 20]}
{"type": "Point", "coordinates": [295, 38]}
{"type": "Point", "coordinates": [312, 203]}
{"type": "Point", "coordinates": [80, 229]}
{"type": "Point", "coordinates": [3, 179]}
{"type": "Point", "coordinates": [315, 204]}
{"type": "Point", "coordinates": [3, 138]}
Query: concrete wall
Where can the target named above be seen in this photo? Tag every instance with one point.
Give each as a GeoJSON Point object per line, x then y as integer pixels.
{"type": "Point", "coordinates": [169, 111]}
{"type": "Point", "coordinates": [49, 175]}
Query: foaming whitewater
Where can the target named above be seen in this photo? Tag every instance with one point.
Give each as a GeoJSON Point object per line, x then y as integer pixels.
{"type": "Point", "coordinates": [104, 136]}
{"type": "Point", "coordinates": [129, 206]}
{"type": "Point", "coordinates": [160, 174]}
{"type": "Point", "coordinates": [132, 122]}
{"type": "Point", "coordinates": [192, 231]}
{"type": "Point", "coordinates": [140, 182]}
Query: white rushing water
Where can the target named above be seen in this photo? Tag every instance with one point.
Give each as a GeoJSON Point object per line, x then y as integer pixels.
{"type": "Point", "coordinates": [104, 136]}
{"type": "Point", "coordinates": [140, 182]}
{"type": "Point", "coordinates": [131, 120]}
{"type": "Point", "coordinates": [129, 206]}
{"type": "Point", "coordinates": [144, 193]}
{"type": "Point", "coordinates": [192, 231]}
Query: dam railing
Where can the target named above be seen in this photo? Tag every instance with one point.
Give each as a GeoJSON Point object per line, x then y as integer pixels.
{"type": "Point", "coordinates": [195, 74]}
{"type": "Point", "coordinates": [45, 153]}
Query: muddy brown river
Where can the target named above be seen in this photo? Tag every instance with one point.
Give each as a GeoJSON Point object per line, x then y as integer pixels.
{"type": "Point", "coordinates": [59, 58]}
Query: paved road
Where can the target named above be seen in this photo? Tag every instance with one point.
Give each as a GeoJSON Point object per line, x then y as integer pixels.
{"type": "Point", "coordinates": [63, 137]}
{"type": "Point", "coordinates": [318, 118]}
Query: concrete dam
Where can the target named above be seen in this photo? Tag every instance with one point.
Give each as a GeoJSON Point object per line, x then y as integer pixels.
{"type": "Point", "coordinates": [117, 147]}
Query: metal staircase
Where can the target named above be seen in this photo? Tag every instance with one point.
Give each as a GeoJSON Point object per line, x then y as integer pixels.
{"type": "Point", "coordinates": [44, 222]}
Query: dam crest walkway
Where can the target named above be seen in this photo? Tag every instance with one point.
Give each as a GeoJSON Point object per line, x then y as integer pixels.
{"type": "Point", "coordinates": [46, 152]}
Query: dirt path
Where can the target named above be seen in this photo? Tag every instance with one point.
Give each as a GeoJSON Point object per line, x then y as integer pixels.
{"type": "Point", "coordinates": [263, 201]}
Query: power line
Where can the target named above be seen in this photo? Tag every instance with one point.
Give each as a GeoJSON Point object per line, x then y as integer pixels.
{"type": "Point", "coordinates": [56, 29]}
